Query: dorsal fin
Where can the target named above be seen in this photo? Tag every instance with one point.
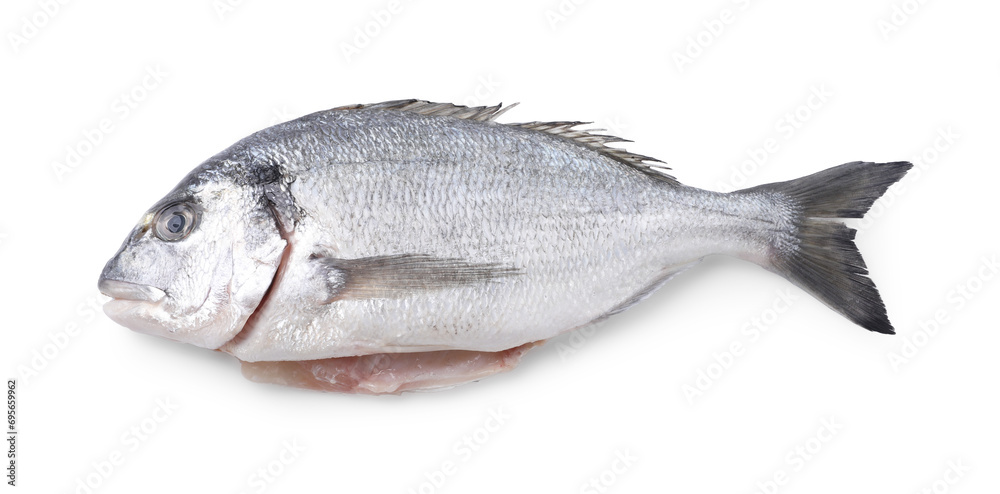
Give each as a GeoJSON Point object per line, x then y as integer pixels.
{"type": "Point", "coordinates": [479, 113]}
{"type": "Point", "coordinates": [566, 130]}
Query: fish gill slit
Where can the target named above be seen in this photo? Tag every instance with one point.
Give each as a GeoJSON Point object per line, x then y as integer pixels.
{"type": "Point", "coordinates": [265, 300]}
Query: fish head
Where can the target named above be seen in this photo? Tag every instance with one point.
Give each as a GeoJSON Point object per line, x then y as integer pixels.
{"type": "Point", "coordinates": [197, 264]}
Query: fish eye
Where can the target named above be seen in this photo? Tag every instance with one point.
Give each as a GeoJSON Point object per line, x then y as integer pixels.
{"type": "Point", "coordinates": [174, 222]}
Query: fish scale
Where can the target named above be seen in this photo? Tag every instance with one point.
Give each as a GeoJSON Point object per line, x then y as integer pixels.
{"type": "Point", "coordinates": [568, 195]}
{"type": "Point", "coordinates": [412, 228]}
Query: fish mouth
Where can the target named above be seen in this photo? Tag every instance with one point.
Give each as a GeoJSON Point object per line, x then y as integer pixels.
{"type": "Point", "coordinates": [135, 292]}
{"type": "Point", "coordinates": [132, 304]}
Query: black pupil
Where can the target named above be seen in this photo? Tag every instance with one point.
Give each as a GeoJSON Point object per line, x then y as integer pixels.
{"type": "Point", "coordinates": [176, 223]}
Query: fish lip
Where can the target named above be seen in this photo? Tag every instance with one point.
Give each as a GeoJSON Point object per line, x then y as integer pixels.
{"type": "Point", "coordinates": [125, 290]}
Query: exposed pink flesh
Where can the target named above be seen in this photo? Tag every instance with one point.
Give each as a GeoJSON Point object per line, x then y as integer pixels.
{"type": "Point", "coordinates": [384, 373]}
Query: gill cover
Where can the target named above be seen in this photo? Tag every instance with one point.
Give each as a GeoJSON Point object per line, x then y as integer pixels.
{"type": "Point", "coordinates": [199, 262]}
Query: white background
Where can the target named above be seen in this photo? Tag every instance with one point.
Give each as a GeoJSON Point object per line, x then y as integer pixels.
{"type": "Point", "coordinates": [573, 406]}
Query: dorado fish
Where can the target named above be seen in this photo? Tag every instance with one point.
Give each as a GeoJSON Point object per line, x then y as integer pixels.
{"type": "Point", "coordinates": [411, 245]}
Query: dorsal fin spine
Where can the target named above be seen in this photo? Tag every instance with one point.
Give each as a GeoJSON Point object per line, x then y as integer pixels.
{"type": "Point", "coordinates": [564, 129]}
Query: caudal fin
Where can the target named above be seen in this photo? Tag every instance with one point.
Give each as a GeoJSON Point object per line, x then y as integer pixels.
{"type": "Point", "coordinates": [822, 258]}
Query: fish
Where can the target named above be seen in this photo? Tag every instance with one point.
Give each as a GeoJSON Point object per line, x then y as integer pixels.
{"type": "Point", "coordinates": [410, 245]}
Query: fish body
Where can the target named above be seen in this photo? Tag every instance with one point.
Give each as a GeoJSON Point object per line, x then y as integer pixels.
{"type": "Point", "coordinates": [436, 234]}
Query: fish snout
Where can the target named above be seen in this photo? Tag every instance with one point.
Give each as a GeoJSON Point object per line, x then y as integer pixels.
{"type": "Point", "coordinates": [125, 290]}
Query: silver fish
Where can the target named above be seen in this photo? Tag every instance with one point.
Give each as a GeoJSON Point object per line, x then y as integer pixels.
{"type": "Point", "coordinates": [415, 245]}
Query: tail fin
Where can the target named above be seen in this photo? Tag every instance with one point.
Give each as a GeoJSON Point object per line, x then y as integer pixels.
{"type": "Point", "coordinates": [822, 258]}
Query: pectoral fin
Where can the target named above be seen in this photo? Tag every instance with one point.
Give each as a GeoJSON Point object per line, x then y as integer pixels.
{"type": "Point", "coordinates": [399, 275]}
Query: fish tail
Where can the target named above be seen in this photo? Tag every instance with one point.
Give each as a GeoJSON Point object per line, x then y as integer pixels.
{"type": "Point", "coordinates": [818, 252]}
